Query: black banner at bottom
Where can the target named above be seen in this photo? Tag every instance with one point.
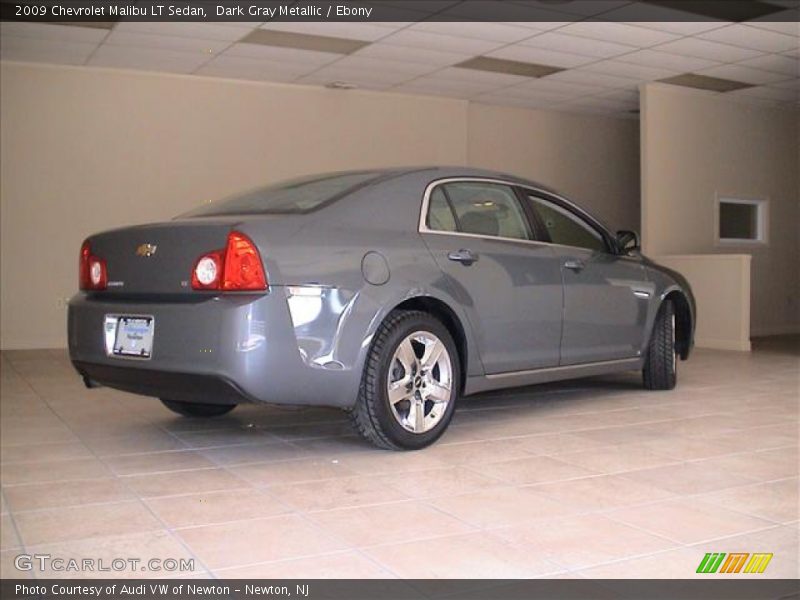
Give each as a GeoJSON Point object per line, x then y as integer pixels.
{"type": "Point", "coordinates": [350, 589]}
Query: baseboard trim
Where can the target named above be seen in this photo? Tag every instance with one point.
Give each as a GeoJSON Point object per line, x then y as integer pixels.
{"type": "Point", "coordinates": [718, 344]}
{"type": "Point", "coordinates": [770, 331]}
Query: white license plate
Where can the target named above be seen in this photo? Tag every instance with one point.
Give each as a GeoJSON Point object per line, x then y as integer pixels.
{"type": "Point", "coordinates": [129, 336]}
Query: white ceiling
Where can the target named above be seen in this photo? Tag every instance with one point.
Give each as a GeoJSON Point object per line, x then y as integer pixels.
{"type": "Point", "coordinates": [605, 61]}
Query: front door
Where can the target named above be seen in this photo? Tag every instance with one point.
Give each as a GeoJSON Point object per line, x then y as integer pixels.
{"type": "Point", "coordinates": [606, 295]}
{"type": "Point", "coordinates": [509, 285]}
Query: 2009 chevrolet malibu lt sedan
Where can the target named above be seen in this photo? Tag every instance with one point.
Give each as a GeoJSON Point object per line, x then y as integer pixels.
{"type": "Point", "coordinates": [389, 294]}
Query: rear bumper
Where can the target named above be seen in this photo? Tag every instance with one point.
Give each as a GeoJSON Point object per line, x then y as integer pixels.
{"type": "Point", "coordinates": [187, 387]}
{"type": "Point", "coordinates": [218, 349]}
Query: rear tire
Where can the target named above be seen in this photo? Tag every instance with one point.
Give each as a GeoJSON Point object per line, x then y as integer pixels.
{"type": "Point", "coordinates": [410, 383]}
{"type": "Point", "coordinates": [197, 409]}
{"type": "Point", "coordinates": [661, 359]}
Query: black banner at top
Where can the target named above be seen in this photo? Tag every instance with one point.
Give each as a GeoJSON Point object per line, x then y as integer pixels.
{"type": "Point", "coordinates": [398, 10]}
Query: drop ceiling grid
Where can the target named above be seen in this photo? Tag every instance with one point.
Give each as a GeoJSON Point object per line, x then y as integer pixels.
{"type": "Point", "coordinates": [599, 58]}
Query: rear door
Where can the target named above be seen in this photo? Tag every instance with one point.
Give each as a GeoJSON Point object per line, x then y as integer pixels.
{"type": "Point", "coordinates": [508, 283]}
{"type": "Point", "coordinates": [606, 295]}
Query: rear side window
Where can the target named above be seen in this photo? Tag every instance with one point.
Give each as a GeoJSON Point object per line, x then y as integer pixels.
{"type": "Point", "coordinates": [440, 217]}
{"type": "Point", "coordinates": [288, 197]}
{"type": "Point", "coordinates": [480, 208]}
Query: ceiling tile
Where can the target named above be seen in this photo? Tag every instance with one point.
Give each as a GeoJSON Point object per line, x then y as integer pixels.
{"type": "Point", "coordinates": [339, 29]}
{"type": "Point", "coordinates": [577, 45]}
{"type": "Point", "coordinates": [620, 33]}
{"type": "Point", "coordinates": [253, 69]}
{"type": "Point", "coordinates": [745, 74]}
{"type": "Point", "coordinates": [152, 59]}
{"type": "Point", "coordinates": [567, 88]}
{"type": "Point", "coordinates": [584, 77]}
{"type": "Point", "coordinates": [415, 55]}
{"type": "Point", "coordinates": [709, 50]}
{"type": "Point", "coordinates": [150, 40]}
{"type": "Point", "coordinates": [751, 37]}
{"type": "Point", "coordinates": [539, 25]}
{"type": "Point", "coordinates": [434, 84]}
{"type": "Point", "coordinates": [497, 80]}
{"type": "Point", "coordinates": [534, 93]}
{"type": "Point", "coordinates": [789, 84]}
{"type": "Point", "coordinates": [495, 32]}
{"type": "Point", "coordinates": [56, 33]}
{"type": "Point", "coordinates": [775, 63]}
{"type": "Point", "coordinates": [500, 100]}
{"type": "Point", "coordinates": [374, 80]}
{"type": "Point", "coordinates": [680, 27]}
{"type": "Point", "coordinates": [630, 70]}
{"type": "Point", "coordinates": [770, 93]}
{"type": "Point", "coordinates": [281, 54]}
{"type": "Point", "coordinates": [665, 60]}
{"type": "Point", "coordinates": [436, 41]}
{"type": "Point", "coordinates": [541, 56]}
{"type": "Point", "coordinates": [363, 63]}
{"type": "Point", "coordinates": [49, 51]}
{"type": "Point", "coordinates": [203, 31]}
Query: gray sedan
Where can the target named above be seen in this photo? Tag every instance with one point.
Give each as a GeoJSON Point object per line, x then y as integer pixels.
{"type": "Point", "coordinates": [389, 294]}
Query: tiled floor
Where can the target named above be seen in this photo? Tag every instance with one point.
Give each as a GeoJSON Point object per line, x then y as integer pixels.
{"type": "Point", "coordinates": [593, 478]}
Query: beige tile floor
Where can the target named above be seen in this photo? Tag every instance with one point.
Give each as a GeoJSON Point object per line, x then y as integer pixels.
{"type": "Point", "coordinates": [591, 478]}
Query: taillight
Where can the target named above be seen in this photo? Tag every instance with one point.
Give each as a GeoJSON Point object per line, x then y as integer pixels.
{"type": "Point", "coordinates": [92, 272]}
{"type": "Point", "coordinates": [236, 268]}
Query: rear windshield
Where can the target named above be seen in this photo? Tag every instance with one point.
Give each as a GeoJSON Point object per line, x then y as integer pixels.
{"type": "Point", "coordinates": [288, 197]}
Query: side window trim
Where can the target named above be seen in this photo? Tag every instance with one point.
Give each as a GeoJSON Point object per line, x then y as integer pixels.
{"type": "Point", "coordinates": [423, 227]}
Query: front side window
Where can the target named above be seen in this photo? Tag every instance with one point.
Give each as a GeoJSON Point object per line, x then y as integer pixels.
{"type": "Point", "coordinates": [566, 228]}
{"type": "Point", "coordinates": [479, 208]}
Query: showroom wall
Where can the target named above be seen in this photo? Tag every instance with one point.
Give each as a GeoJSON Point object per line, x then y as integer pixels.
{"type": "Point", "coordinates": [592, 159]}
{"type": "Point", "coordinates": [89, 149]}
{"type": "Point", "coordinates": [697, 146]}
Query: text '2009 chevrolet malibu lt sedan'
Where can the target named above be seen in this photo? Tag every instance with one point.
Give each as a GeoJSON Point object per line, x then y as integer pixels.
{"type": "Point", "coordinates": [388, 294]}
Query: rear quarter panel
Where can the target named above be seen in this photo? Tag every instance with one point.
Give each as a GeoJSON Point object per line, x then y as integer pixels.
{"type": "Point", "coordinates": [325, 250]}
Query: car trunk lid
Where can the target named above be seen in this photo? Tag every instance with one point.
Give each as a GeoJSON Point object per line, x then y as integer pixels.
{"type": "Point", "coordinates": [158, 258]}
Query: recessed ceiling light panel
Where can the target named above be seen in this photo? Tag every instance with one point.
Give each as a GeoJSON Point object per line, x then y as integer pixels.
{"type": "Point", "coordinates": [704, 82]}
{"type": "Point", "coordinates": [508, 67]}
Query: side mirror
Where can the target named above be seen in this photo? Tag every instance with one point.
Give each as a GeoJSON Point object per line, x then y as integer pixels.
{"type": "Point", "coordinates": [627, 241]}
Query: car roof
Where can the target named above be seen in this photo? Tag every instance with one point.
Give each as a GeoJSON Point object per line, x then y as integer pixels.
{"type": "Point", "coordinates": [432, 173]}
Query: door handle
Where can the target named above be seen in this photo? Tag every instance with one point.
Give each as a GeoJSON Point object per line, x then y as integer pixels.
{"type": "Point", "coordinates": [573, 264]}
{"type": "Point", "coordinates": [464, 256]}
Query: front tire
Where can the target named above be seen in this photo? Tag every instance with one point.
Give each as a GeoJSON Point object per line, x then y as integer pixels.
{"type": "Point", "coordinates": [660, 370]}
{"type": "Point", "coordinates": [197, 409]}
{"type": "Point", "coordinates": [410, 383]}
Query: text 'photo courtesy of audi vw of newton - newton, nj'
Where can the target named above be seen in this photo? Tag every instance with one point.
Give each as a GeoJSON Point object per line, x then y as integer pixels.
{"type": "Point", "coordinates": [387, 293]}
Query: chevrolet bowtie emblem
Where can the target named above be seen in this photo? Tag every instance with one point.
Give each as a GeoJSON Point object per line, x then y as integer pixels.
{"type": "Point", "coordinates": [146, 250]}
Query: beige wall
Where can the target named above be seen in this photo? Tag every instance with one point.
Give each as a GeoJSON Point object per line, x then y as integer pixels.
{"type": "Point", "coordinates": [82, 150]}
{"type": "Point", "coordinates": [723, 325]}
{"type": "Point", "coordinates": [696, 146]}
{"type": "Point", "coordinates": [593, 160]}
